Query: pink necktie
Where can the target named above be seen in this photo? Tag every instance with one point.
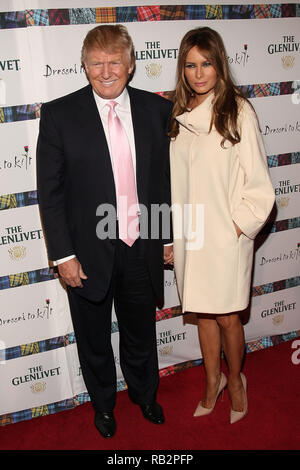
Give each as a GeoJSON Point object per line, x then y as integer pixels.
{"type": "Point", "coordinates": [124, 179]}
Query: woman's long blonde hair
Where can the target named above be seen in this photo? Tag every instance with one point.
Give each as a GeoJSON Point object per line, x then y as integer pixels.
{"type": "Point", "coordinates": [225, 107]}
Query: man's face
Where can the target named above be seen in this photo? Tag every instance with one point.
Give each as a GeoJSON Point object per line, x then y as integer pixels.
{"type": "Point", "coordinates": [107, 72]}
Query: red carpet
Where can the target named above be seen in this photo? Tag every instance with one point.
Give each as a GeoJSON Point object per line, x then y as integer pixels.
{"type": "Point", "coordinates": [273, 421]}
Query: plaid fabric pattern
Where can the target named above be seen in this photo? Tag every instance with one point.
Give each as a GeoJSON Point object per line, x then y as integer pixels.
{"type": "Point", "coordinates": [262, 11]}
{"type": "Point", "coordinates": [288, 10]}
{"type": "Point", "coordinates": [81, 398]}
{"type": "Point", "coordinates": [82, 15]}
{"type": "Point", "coordinates": [214, 12]}
{"type": "Point", "coordinates": [8, 201]}
{"type": "Point", "coordinates": [284, 159]}
{"type": "Point", "coordinates": [148, 13]}
{"type": "Point", "coordinates": [172, 12]}
{"type": "Point", "coordinates": [31, 277]}
{"type": "Point", "coordinates": [25, 112]}
{"type": "Point", "coordinates": [272, 161]}
{"type": "Point", "coordinates": [275, 11]}
{"type": "Point", "coordinates": [292, 282]}
{"type": "Point", "coordinates": [20, 279]}
{"type": "Point", "coordinates": [274, 89]}
{"type": "Point", "coordinates": [11, 201]}
{"type": "Point", "coordinates": [38, 347]}
{"type": "Point", "coordinates": [247, 90]}
{"type": "Point", "coordinates": [126, 14]}
{"type": "Point", "coordinates": [29, 349]}
{"type": "Point", "coordinates": [295, 157]}
{"type": "Point", "coordinates": [279, 285]}
{"type": "Point", "coordinates": [121, 385]}
{"type": "Point", "coordinates": [39, 411]}
{"type": "Point", "coordinates": [239, 12]}
{"type": "Point", "coordinates": [59, 17]}
{"type": "Point", "coordinates": [254, 346]}
{"type": "Point", "coordinates": [293, 223]}
{"type": "Point", "coordinates": [281, 225]}
{"type": "Point", "coordinates": [37, 17]}
{"type": "Point", "coordinates": [286, 88]}
{"type": "Point", "coordinates": [12, 19]}
{"type": "Point", "coordinates": [5, 419]}
{"type": "Point", "coordinates": [37, 109]}
{"type": "Point", "coordinates": [12, 353]}
{"type": "Point", "coordinates": [171, 312]}
{"type": "Point", "coordinates": [106, 15]}
{"type": "Point", "coordinates": [8, 114]}
{"type": "Point", "coordinates": [263, 89]}
{"type": "Point", "coordinates": [195, 12]}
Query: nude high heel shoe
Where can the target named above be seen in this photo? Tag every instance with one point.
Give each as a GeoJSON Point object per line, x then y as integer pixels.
{"type": "Point", "coordinates": [201, 410]}
{"type": "Point", "coordinates": [238, 415]}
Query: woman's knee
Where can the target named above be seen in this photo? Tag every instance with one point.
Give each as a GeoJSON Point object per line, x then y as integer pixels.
{"type": "Point", "coordinates": [228, 321]}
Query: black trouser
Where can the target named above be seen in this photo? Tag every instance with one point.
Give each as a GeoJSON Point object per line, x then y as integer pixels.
{"type": "Point", "coordinates": [134, 303]}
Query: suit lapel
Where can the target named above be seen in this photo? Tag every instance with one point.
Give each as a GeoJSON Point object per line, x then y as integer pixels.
{"type": "Point", "coordinates": [142, 145]}
{"type": "Point", "coordinates": [93, 131]}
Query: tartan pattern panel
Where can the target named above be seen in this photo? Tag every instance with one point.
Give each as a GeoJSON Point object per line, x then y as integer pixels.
{"type": "Point", "coordinates": [37, 17]}
{"type": "Point", "coordinates": [214, 12]}
{"type": "Point", "coordinates": [12, 19]}
{"type": "Point", "coordinates": [24, 279]}
{"type": "Point", "coordinates": [106, 15]}
{"type": "Point", "coordinates": [59, 17]}
{"type": "Point", "coordinates": [195, 12]}
{"type": "Point", "coordinates": [288, 10]}
{"type": "Point", "coordinates": [82, 15]}
{"type": "Point", "coordinates": [64, 16]}
{"type": "Point", "coordinates": [172, 12]}
{"type": "Point", "coordinates": [11, 201]}
{"type": "Point", "coordinates": [148, 13]}
{"type": "Point", "coordinates": [126, 14]}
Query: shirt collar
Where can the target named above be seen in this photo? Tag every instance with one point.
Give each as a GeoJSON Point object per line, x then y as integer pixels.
{"type": "Point", "coordinates": [122, 100]}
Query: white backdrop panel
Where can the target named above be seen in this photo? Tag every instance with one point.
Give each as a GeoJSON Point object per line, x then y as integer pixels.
{"type": "Point", "coordinates": [22, 246]}
{"type": "Point", "coordinates": [177, 341]}
{"type": "Point", "coordinates": [17, 157]}
{"type": "Point", "coordinates": [286, 182]}
{"type": "Point", "coordinates": [30, 381]}
{"type": "Point", "coordinates": [34, 311]}
{"type": "Point", "coordinates": [278, 257]}
{"type": "Point", "coordinates": [279, 120]}
{"type": "Point", "coordinates": [273, 314]}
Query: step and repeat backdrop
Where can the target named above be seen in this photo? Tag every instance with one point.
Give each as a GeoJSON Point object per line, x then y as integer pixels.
{"type": "Point", "coordinates": [40, 44]}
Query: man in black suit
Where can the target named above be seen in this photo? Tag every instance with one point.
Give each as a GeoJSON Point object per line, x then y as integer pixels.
{"type": "Point", "coordinates": [77, 187]}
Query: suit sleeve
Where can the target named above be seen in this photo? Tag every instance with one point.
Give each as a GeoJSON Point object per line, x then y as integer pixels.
{"type": "Point", "coordinates": [257, 197]}
{"type": "Point", "coordinates": [51, 188]}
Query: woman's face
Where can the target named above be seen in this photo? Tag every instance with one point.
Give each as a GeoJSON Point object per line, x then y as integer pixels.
{"type": "Point", "coordinates": [200, 74]}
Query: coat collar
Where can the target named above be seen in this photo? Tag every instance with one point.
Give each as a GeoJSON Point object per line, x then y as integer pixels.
{"type": "Point", "coordinates": [198, 119]}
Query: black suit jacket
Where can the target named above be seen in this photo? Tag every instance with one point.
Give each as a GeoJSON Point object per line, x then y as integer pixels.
{"type": "Point", "coordinates": [74, 176]}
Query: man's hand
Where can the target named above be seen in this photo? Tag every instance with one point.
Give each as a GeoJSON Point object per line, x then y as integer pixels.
{"type": "Point", "coordinates": [71, 272]}
{"type": "Point", "coordinates": [168, 254]}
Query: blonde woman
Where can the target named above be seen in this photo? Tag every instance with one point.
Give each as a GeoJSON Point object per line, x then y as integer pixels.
{"type": "Point", "coordinates": [218, 163]}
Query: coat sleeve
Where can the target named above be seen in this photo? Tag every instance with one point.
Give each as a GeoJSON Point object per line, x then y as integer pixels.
{"type": "Point", "coordinates": [257, 195]}
{"type": "Point", "coordinates": [51, 188]}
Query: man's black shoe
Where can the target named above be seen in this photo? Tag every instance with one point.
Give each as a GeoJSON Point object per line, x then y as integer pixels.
{"type": "Point", "coordinates": [153, 413]}
{"type": "Point", "coordinates": [105, 423]}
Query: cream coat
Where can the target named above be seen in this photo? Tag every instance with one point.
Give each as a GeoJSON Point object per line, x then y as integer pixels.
{"type": "Point", "coordinates": [217, 186]}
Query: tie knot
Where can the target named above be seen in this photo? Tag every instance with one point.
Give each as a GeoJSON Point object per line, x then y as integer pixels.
{"type": "Point", "coordinates": [112, 105]}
